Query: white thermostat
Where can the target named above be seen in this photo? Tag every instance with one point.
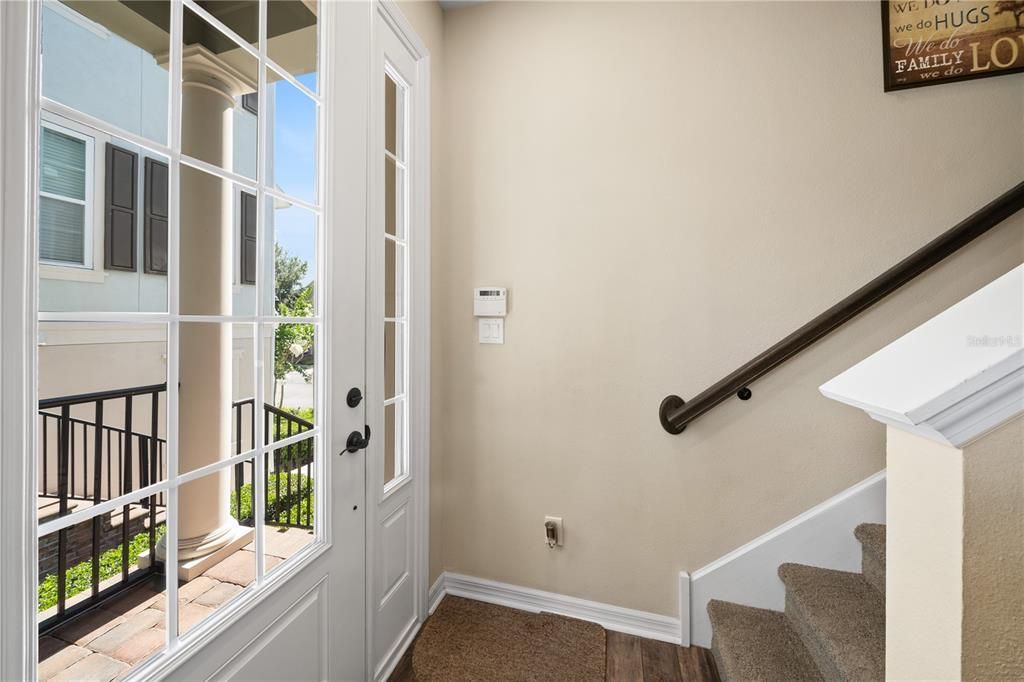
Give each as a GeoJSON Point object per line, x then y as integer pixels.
{"type": "Point", "coordinates": [490, 301]}
{"type": "Point", "coordinates": [490, 305]}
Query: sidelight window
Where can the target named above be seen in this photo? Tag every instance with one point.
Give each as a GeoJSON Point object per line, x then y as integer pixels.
{"type": "Point", "coordinates": [396, 321]}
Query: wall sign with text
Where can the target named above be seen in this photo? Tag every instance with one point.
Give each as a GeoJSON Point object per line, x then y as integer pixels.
{"type": "Point", "coordinates": [939, 41]}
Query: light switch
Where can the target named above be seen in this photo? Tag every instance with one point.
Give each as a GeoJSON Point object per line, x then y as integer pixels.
{"type": "Point", "coordinates": [492, 330]}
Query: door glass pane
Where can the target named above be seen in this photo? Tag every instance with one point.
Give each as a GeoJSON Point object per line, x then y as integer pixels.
{"type": "Point", "coordinates": [290, 390]}
{"type": "Point", "coordinates": [292, 39]}
{"type": "Point", "coordinates": [394, 441]}
{"type": "Point", "coordinates": [394, 279]}
{"type": "Point", "coordinates": [394, 117]}
{"type": "Point", "coordinates": [216, 392]}
{"type": "Point", "coordinates": [103, 223]}
{"type": "Point", "coordinates": [282, 541]}
{"type": "Point", "coordinates": [394, 198]}
{"type": "Point", "coordinates": [241, 17]}
{"type": "Point", "coordinates": [292, 155]}
{"type": "Point", "coordinates": [109, 60]}
{"type": "Point", "coordinates": [101, 423]}
{"type": "Point", "coordinates": [216, 558]}
{"type": "Point", "coordinates": [218, 240]}
{"type": "Point", "coordinates": [216, 74]}
{"type": "Point", "coordinates": [394, 359]}
{"type": "Point", "coordinates": [109, 552]}
{"type": "Point", "coordinates": [290, 501]}
{"type": "Point", "coordinates": [294, 230]}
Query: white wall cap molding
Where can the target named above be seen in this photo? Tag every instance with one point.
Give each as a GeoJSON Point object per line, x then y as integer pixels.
{"type": "Point", "coordinates": [955, 377]}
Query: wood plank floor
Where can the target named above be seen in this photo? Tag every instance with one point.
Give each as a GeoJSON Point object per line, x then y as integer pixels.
{"type": "Point", "coordinates": [634, 659]}
{"type": "Point", "coordinates": [629, 659]}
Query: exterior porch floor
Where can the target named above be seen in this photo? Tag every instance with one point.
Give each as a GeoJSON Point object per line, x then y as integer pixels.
{"type": "Point", "coordinates": [107, 642]}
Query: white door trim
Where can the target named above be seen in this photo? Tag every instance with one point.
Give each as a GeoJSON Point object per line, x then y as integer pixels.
{"type": "Point", "coordinates": [19, 81]}
{"type": "Point", "coordinates": [419, 335]}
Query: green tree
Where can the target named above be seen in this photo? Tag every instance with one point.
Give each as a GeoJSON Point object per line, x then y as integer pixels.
{"type": "Point", "coordinates": [292, 342]}
{"type": "Point", "coordinates": [289, 271]}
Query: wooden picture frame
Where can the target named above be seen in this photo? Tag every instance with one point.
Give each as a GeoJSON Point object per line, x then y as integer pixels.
{"type": "Point", "coordinates": [930, 42]}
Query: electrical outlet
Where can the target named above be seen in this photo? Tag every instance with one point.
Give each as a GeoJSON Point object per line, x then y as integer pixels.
{"type": "Point", "coordinates": [559, 531]}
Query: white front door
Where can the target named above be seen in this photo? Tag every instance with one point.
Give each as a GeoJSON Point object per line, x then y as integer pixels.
{"type": "Point", "coordinates": [398, 313]}
{"type": "Point", "coordinates": [194, 289]}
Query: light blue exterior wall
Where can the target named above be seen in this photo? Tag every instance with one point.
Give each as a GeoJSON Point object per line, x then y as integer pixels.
{"type": "Point", "coordinates": [87, 67]}
{"type": "Point", "coordinates": [90, 69]}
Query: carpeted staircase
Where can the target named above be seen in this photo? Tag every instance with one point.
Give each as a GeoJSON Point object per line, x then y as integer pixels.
{"type": "Point", "coordinates": [833, 627]}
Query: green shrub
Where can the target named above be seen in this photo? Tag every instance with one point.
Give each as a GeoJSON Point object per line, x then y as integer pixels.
{"type": "Point", "coordinates": [297, 454]}
{"type": "Point", "coordinates": [301, 412]}
{"type": "Point", "coordinates": [78, 578]}
{"type": "Point", "coordinates": [295, 501]}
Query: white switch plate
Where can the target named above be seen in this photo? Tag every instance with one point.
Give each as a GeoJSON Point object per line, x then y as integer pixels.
{"type": "Point", "coordinates": [558, 529]}
{"type": "Point", "coordinates": [492, 330]}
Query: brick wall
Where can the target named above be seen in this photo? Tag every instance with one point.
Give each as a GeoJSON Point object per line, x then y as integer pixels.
{"type": "Point", "coordinates": [79, 541]}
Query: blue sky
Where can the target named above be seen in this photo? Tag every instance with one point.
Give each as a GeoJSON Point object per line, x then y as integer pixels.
{"type": "Point", "coordinates": [294, 139]}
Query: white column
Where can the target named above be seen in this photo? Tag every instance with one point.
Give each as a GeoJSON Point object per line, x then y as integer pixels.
{"type": "Point", "coordinates": [206, 530]}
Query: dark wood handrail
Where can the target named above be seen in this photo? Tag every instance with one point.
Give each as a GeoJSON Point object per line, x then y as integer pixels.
{"type": "Point", "coordinates": [675, 413]}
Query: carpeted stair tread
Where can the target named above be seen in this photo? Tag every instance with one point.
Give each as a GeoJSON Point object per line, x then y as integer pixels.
{"type": "Point", "coordinates": [840, 618]}
{"type": "Point", "coordinates": [757, 644]}
{"type": "Point", "coordinates": [872, 538]}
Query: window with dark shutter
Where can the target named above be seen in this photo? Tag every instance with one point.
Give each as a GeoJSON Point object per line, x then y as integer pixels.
{"type": "Point", "coordinates": [119, 233]}
{"type": "Point", "coordinates": [251, 103]}
{"type": "Point", "coordinates": [248, 240]}
{"type": "Point", "coordinates": [154, 242]}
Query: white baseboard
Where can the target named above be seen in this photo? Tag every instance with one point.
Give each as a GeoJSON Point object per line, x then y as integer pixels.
{"type": "Point", "coordinates": [436, 594]}
{"type": "Point", "coordinates": [822, 536]}
{"type": "Point", "coordinates": [616, 618]}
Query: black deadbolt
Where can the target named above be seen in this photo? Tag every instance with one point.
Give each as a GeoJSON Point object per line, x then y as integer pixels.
{"type": "Point", "coordinates": [354, 397]}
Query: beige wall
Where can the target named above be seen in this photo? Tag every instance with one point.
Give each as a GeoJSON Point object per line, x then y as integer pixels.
{"type": "Point", "coordinates": [993, 596]}
{"type": "Point", "coordinates": [428, 22]}
{"type": "Point", "coordinates": [667, 189]}
{"type": "Point", "coordinates": [955, 557]}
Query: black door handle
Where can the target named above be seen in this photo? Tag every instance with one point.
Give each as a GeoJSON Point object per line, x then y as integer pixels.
{"type": "Point", "coordinates": [357, 441]}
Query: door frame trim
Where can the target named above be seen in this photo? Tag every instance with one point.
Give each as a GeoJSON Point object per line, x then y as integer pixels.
{"type": "Point", "coordinates": [419, 332]}
{"type": "Point", "coordinates": [19, 23]}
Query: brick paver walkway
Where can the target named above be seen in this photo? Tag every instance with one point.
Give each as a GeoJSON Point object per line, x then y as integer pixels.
{"type": "Point", "coordinates": [105, 643]}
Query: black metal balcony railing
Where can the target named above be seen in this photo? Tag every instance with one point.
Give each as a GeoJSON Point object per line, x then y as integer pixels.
{"type": "Point", "coordinates": [99, 446]}
{"type": "Point", "coordinates": [288, 487]}
{"type": "Point", "coordinates": [84, 459]}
